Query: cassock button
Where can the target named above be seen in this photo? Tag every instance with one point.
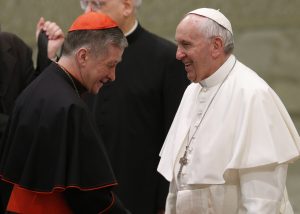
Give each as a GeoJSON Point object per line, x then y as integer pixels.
{"type": "Point", "coordinates": [204, 90]}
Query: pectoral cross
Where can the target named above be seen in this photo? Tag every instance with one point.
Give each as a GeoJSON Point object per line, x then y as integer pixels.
{"type": "Point", "coordinates": [183, 161]}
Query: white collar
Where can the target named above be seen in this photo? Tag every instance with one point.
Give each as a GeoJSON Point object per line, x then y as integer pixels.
{"type": "Point", "coordinates": [220, 74]}
{"type": "Point", "coordinates": [132, 29]}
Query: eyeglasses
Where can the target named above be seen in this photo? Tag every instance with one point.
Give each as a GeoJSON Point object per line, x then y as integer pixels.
{"type": "Point", "coordinates": [94, 4]}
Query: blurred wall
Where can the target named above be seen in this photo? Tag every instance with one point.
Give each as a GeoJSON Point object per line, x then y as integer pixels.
{"type": "Point", "coordinates": [266, 39]}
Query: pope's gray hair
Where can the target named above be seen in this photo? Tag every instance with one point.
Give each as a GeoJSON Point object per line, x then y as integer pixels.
{"type": "Point", "coordinates": [212, 29]}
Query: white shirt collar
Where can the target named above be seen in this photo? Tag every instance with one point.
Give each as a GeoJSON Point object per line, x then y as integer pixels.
{"type": "Point", "coordinates": [220, 74]}
{"type": "Point", "coordinates": [132, 29]}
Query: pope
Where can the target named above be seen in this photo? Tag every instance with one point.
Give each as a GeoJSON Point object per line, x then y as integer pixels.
{"type": "Point", "coordinates": [232, 139]}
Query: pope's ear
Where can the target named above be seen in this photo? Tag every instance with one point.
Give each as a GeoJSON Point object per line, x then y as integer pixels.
{"type": "Point", "coordinates": [217, 47]}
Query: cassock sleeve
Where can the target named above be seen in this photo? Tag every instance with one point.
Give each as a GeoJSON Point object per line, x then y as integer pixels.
{"type": "Point", "coordinates": [42, 57]}
{"type": "Point", "coordinates": [92, 202]}
{"type": "Point", "coordinates": [262, 189]}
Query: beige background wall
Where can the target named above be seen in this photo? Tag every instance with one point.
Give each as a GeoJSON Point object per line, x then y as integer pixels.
{"type": "Point", "coordinates": [266, 37]}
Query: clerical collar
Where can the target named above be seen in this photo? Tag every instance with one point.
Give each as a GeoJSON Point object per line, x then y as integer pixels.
{"type": "Point", "coordinates": [132, 29]}
{"type": "Point", "coordinates": [220, 74]}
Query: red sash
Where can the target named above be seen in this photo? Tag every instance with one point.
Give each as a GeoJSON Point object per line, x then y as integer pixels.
{"type": "Point", "coordinates": [29, 202]}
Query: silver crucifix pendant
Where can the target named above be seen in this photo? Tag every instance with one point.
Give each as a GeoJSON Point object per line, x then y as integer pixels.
{"type": "Point", "coordinates": [183, 160]}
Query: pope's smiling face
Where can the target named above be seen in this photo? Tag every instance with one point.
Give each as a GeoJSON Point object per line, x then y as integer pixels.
{"type": "Point", "coordinates": [194, 49]}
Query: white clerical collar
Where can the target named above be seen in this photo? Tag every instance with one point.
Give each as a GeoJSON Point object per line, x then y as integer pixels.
{"type": "Point", "coordinates": [220, 74]}
{"type": "Point", "coordinates": [132, 29]}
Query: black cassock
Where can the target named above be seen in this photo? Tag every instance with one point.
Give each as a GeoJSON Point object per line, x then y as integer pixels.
{"type": "Point", "coordinates": [134, 114]}
{"type": "Point", "coordinates": [51, 142]}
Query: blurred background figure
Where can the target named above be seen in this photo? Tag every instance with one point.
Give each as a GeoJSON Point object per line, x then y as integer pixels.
{"type": "Point", "coordinates": [134, 113]}
{"type": "Point", "coordinates": [17, 71]}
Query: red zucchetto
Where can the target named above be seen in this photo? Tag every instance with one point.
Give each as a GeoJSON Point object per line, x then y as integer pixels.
{"type": "Point", "coordinates": [93, 21]}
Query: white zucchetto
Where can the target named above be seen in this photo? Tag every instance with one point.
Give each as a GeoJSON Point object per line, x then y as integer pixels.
{"type": "Point", "coordinates": [214, 15]}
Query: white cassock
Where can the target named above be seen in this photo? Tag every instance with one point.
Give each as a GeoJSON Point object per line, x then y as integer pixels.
{"type": "Point", "coordinates": [238, 157]}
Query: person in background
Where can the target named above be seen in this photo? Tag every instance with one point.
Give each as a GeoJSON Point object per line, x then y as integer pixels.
{"type": "Point", "coordinates": [51, 151]}
{"type": "Point", "coordinates": [134, 113]}
{"type": "Point", "coordinates": [231, 141]}
{"type": "Point", "coordinates": [17, 71]}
